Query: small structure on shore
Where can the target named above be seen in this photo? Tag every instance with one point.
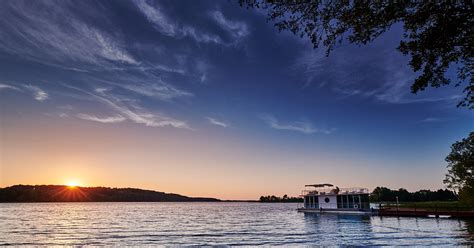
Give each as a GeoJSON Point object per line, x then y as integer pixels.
{"type": "Point", "coordinates": [329, 198]}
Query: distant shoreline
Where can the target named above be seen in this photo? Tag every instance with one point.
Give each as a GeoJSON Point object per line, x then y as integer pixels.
{"type": "Point", "coordinates": [62, 193]}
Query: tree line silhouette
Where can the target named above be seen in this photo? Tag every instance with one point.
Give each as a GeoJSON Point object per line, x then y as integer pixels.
{"type": "Point", "coordinates": [61, 193]}
{"type": "Point", "coordinates": [285, 198]}
{"type": "Point", "coordinates": [383, 194]}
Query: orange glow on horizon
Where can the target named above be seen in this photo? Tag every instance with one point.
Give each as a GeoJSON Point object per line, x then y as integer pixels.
{"type": "Point", "coordinates": [72, 184]}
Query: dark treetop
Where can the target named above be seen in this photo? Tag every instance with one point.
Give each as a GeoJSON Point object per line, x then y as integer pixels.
{"type": "Point", "coordinates": [61, 193]}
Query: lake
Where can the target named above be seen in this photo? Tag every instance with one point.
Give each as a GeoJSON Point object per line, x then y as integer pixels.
{"type": "Point", "coordinates": [215, 224]}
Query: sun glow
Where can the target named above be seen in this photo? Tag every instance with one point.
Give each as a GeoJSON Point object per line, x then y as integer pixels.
{"type": "Point", "coordinates": [72, 184]}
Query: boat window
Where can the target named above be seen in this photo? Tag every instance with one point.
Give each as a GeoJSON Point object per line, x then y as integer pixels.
{"type": "Point", "coordinates": [356, 201]}
{"type": "Point", "coordinates": [339, 201]}
{"type": "Point", "coordinates": [364, 199]}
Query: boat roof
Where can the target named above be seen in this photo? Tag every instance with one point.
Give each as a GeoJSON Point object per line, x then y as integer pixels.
{"type": "Point", "coordinates": [321, 185]}
{"type": "Point", "coordinates": [331, 190]}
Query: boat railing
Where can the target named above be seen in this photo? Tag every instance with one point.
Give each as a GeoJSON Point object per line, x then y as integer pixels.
{"type": "Point", "coordinates": [346, 206]}
{"type": "Point", "coordinates": [336, 191]}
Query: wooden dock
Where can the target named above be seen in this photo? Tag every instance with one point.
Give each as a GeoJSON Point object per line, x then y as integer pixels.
{"type": "Point", "coordinates": [419, 212]}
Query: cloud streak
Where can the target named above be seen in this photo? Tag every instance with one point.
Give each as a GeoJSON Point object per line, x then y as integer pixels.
{"type": "Point", "coordinates": [159, 90]}
{"type": "Point", "coordinates": [170, 28]}
{"type": "Point", "coordinates": [382, 75]}
{"type": "Point", "coordinates": [57, 35]}
{"type": "Point", "coordinates": [38, 93]}
{"type": "Point", "coordinates": [132, 111]}
{"type": "Point", "coordinates": [237, 29]}
{"type": "Point", "coordinates": [8, 87]}
{"type": "Point", "coordinates": [108, 119]}
{"type": "Point", "coordinates": [298, 126]}
{"type": "Point", "coordinates": [217, 122]}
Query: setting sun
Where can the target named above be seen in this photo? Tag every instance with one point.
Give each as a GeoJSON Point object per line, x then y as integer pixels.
{"type": "Point", "coordinates": [72, 184]}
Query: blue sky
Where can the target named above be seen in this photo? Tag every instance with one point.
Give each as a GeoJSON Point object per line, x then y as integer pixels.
{"type": "Point", "coordinates": [206, 78]}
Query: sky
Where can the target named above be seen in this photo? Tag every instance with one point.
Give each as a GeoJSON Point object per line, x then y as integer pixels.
{"type": "Point", "coordinates": [209, 99]}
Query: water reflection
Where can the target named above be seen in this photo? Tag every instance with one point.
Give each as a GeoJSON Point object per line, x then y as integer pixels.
{"type": "Point", "coordinates": [469, 227]}
{"type": "Point", "coordinates": [348, 229]}
{"type": "Point", "coordinates": [123, 224]}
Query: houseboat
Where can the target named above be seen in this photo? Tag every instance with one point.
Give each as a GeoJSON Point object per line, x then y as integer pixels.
{"type": "Point", "coordinates": [329, 198]}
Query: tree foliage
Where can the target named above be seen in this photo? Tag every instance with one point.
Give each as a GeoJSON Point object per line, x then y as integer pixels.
{"type": "Point", "coordinates": [383, 194]}
{"type": "Point", "coordinates": [466, 194]}
{"type": "Point", "coordinates": [437, 34]}
{"type": "Point", "coordinates": [461, 165]}
{"type": "Point", "coordinates": [285, 198]}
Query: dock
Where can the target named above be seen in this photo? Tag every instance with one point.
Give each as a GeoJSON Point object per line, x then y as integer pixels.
{"type": "Point", "coordinates": [420, 212]}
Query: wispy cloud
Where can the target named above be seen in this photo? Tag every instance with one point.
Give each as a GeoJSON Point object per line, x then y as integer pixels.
{"type": "Point", "coordinates": [237, 29]}
{"type": "Point", "coordinates": [140, 116]}
{"type": "Point", "coordinates": [200, 36]}
{"type": "Point", "coordinates": [57, 35]}
{"type": "Point", "coordinates": [101, 90]}
{"type": "Point", "coordinates": [133, 112]}
{"type": "Point", "coordinates": [434, 120]}
{"type": "Point", "coordinates": [170, 69]}
{"type": "Point", "coordinates": [171, 28]}
{"type": "Point", "coordinates": [202, 68]}
{"type": "Point", "coordinates": [397, 99]}
{"type": "Point", "coordinates": [111, 51]}
{"type": "Point", "coordinates": [108, 119]}
{"type": "Point", "coordinates": [38, 93]}
{"type": "Point", "coordinates": [8, 87]}
{"type": "Point", "coordinates": [431, 119]}
{"type": "Point", "coordinates": [66, 107]}
{"type": "Point", "coordinates": [159, 90]}
{"type": "Point", "coordinates": [382, 74]}
{"type": "Point", "coordinates": [156, 16]}
{"type": "Point", "coordinates": [299, 126]}
{"type": "Point", "coordinates": [354, 92]}
{"type": "Point", "coordinates": [144, 84]}
{"type": "Point", "coordinates": [217, 122]}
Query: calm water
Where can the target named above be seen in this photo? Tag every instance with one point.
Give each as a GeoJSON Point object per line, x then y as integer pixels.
{"type": "Point", "coordinates": [215, 223]}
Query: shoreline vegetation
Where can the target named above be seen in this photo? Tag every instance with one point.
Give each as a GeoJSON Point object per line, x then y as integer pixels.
{"type": "Point", "coordinates": [383, 194]}
{"type": "Point", "coordinates": [284, 198]}
{"type": "Point", "coordinates": [62, 193]}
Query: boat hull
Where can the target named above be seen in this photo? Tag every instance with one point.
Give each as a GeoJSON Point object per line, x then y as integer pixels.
{"type": "Point", "coordinates": [337, 211]}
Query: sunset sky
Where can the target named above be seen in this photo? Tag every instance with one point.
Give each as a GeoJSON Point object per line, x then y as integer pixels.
{"type": "Point", "coordinates": [209, 99]}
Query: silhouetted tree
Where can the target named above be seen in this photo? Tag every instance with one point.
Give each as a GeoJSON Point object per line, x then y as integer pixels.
{"type": "Point", "coordinates": [285, 198]}
{"type": "Point", "coordinates": [461, 168]}
{"type": "Point", "coordinates": [404, 195]}
{"type": "Point", "coordinates": [437, 34]}
{"type": "Point", "coordinates": [466, 194]}
{"type": "Point", "coordinates": [383, 194]}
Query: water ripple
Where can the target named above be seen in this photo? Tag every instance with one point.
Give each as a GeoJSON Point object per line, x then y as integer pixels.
{"type": "Point", "coordinates": [195, 224]}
